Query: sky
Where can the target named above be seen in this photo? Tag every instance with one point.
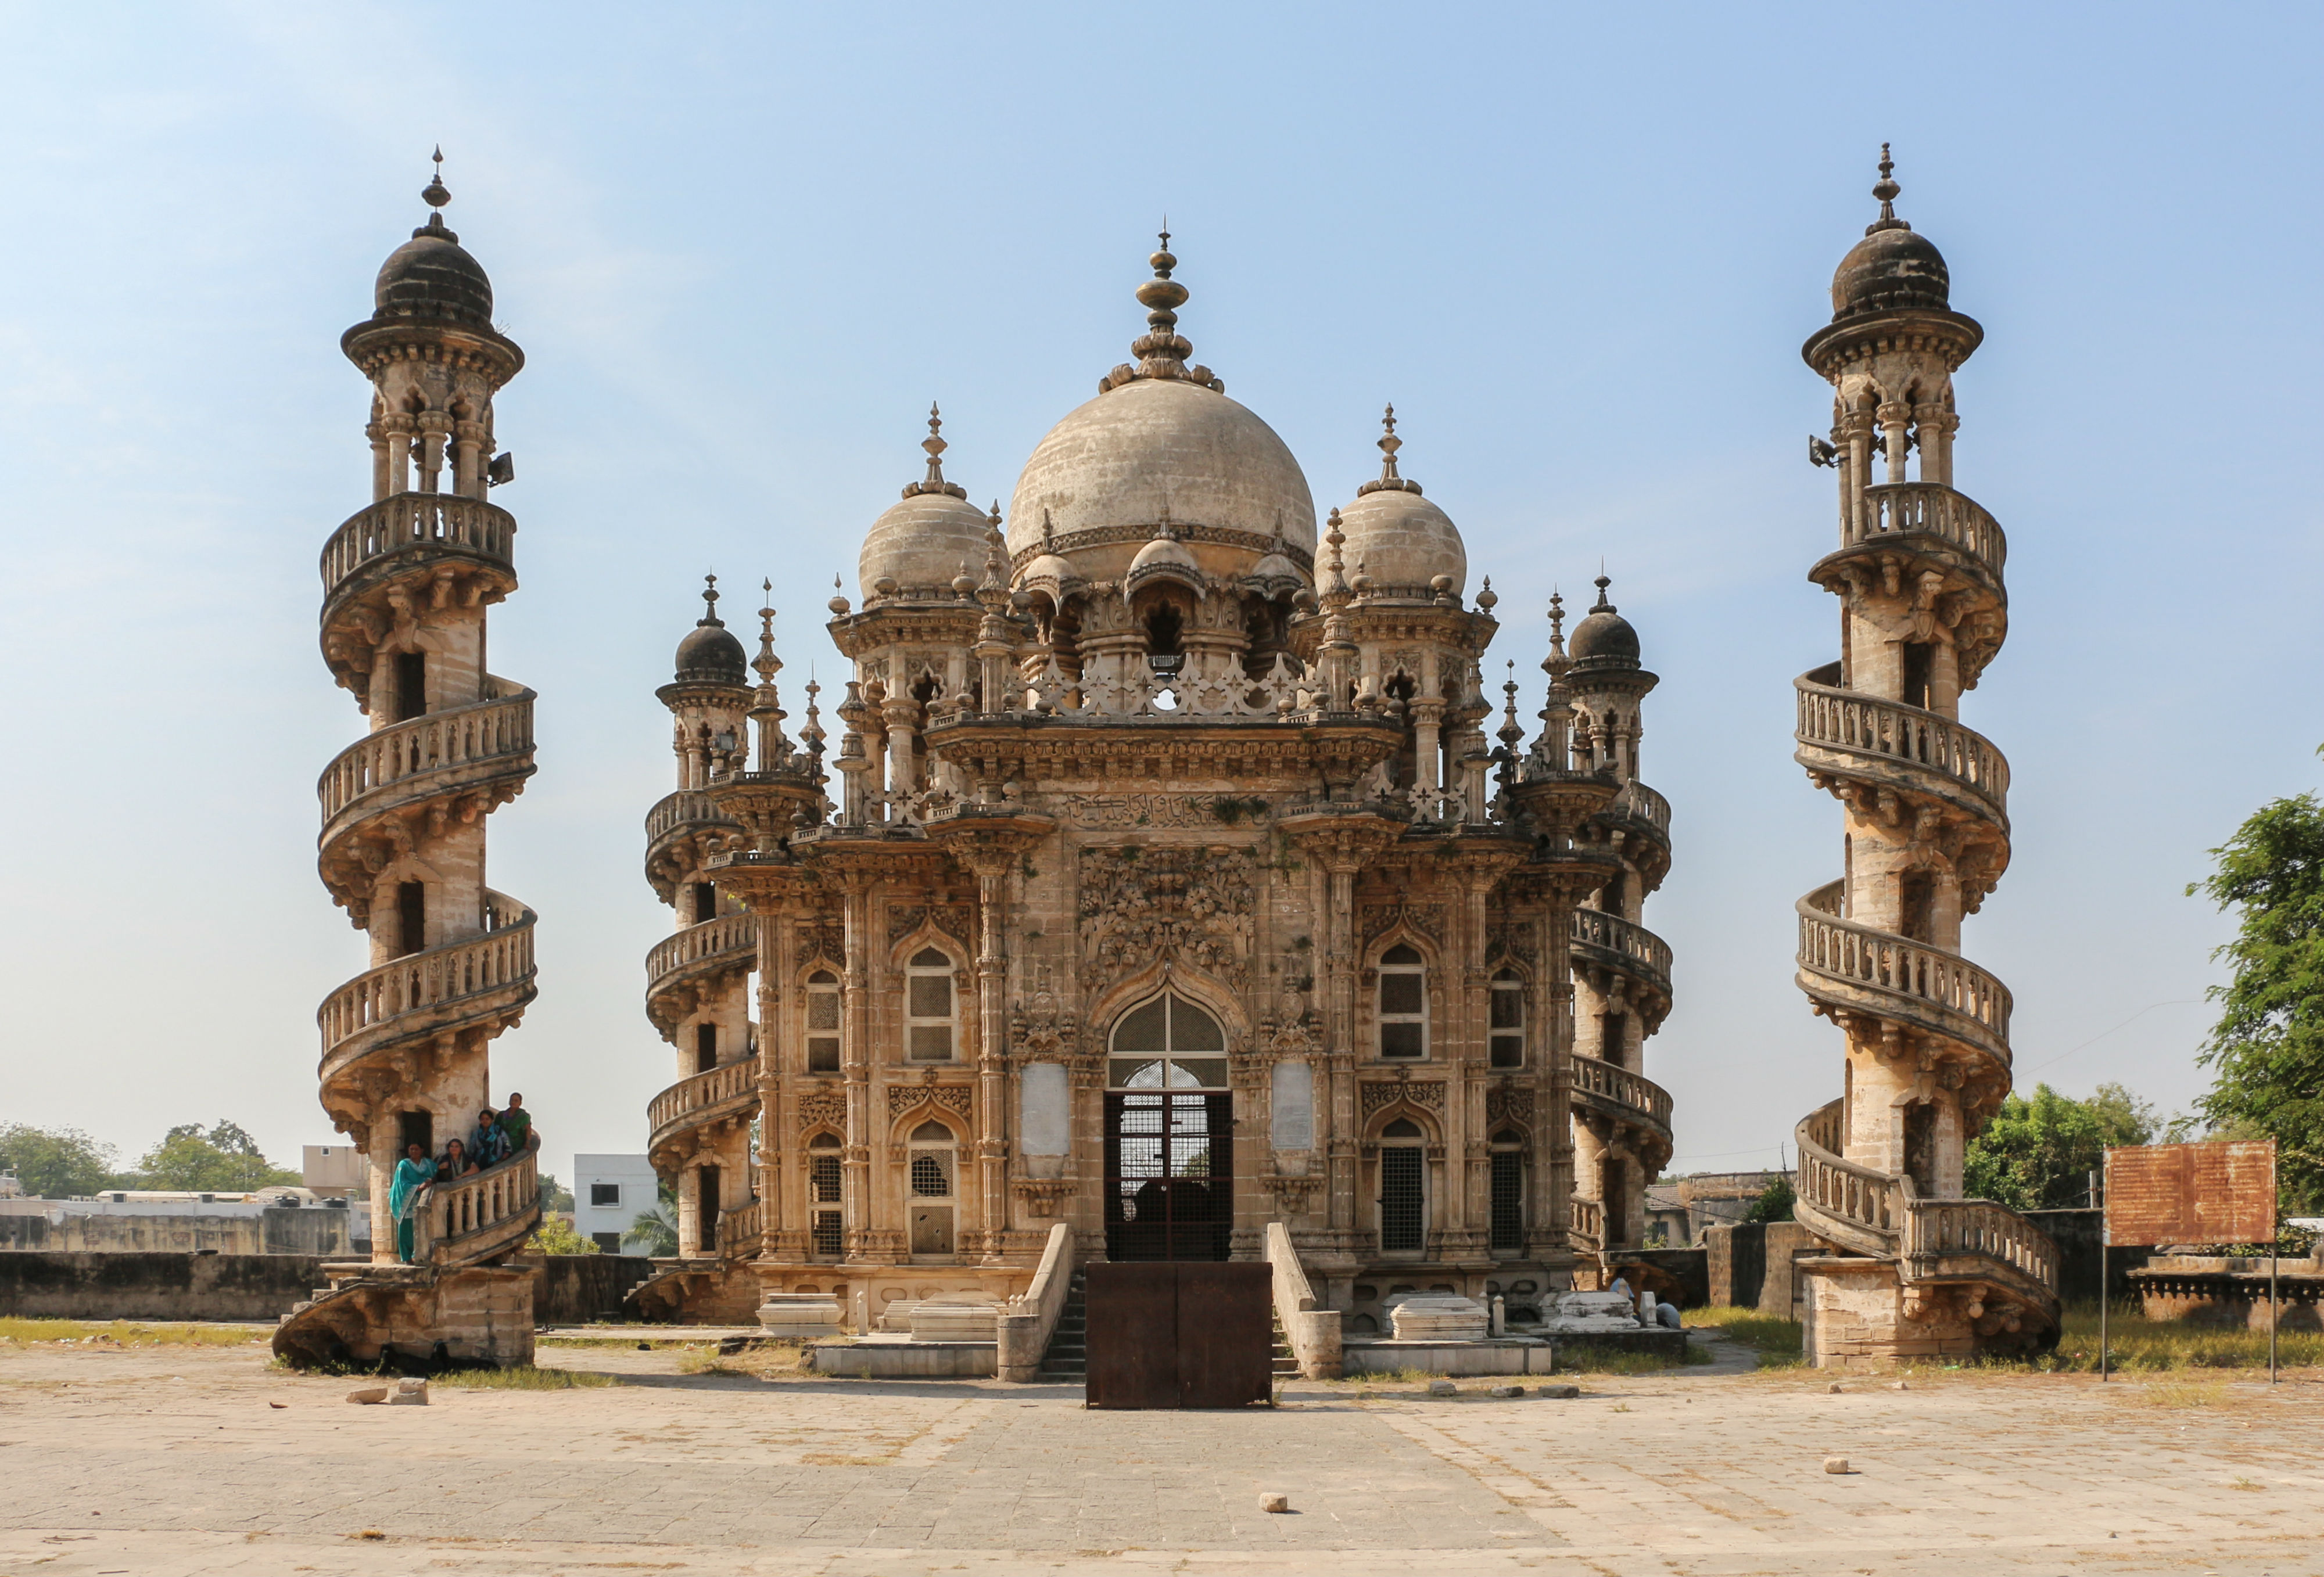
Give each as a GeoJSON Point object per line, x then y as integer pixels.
{"type": "Point", "coordinates": [745, 246]}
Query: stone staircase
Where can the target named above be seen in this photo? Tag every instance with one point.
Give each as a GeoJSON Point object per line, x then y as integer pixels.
{"type": "Point", "coordinates": [1287, 1363]}
{"type": "Point", "coordinates": [1066, 1360]}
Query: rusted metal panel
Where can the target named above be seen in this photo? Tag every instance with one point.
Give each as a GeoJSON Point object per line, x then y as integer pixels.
{"type": "Point", "coordinates": [1132, 1334]}
{"type": "Point", "coordinates": [1226, 1334]}
{"type": "Point", "coordinates": [2190, 1193]}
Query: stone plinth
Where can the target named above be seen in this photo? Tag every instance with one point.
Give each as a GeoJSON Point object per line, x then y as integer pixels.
{"type": "Point", "coordinates": [1591, 1313]}
{"type": "Point", "coordinates": [1495, 1355]}
{"type": "Point", "coordinates": [2215, 1290]}
{"type": "Point", "coordinates": [936, 1321]}
{"type": "Point", "coordinates": [802, 1316]}
{"type": "Point", "coordinates": [1427, 1318]}
{"type": "Point", "coordinates": [908, 1358]}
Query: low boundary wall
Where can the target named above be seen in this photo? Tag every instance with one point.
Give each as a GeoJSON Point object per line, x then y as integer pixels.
{"type": "Point", "coordinates": [568, 1289]}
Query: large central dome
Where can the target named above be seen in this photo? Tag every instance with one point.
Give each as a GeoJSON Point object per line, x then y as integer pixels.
{"type": "Point", "coordinates": [1161, 443]}
{"type": "Point", "coordinates": [1156, 450]}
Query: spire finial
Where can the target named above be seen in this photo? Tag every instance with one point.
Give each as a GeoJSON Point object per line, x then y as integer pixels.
{"type": "Point", "coordinates": [1510, 731]}
{"type": "Point", "coordinates": [1335, 537]}
{"type": "Point", "coordinates": [935, 444]}
{"type": "Point", "coordinates": [1886, 190]}
{"type": "Point", "coordinates": [436, 194]}
{"type": "Point", "coordinates": [710, 604]}
{"type": "Point", "coordinates": [1162, 351]}
{"type": "Point", "coordinates": [1555, 664]}
{"type": "Point", "coordinates": [1389, 444]}
{"type": "Point", "coordinates": [1602, 581]}
{"type": "Point", "coordinates": [768, 664]}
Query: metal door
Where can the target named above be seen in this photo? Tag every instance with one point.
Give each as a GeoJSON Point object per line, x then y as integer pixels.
{"type": "Point", "coordinates": [1132, 1312]}
{"type": "Point", "coordinates": [1179, 1335]}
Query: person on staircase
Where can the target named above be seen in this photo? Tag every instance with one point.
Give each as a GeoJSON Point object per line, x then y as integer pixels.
{"type": "Point", "coordinates": [489, 1144]}
{"type": "Point", "coordinates": [516, 1124]}
{"type": "Point", "coordinates": [455, 1162]}
{"type": "Point", "coordinates": [412, 1175]}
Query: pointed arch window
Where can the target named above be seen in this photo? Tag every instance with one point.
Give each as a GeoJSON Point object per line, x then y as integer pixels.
{"type": "Point", "coordinates": [932, 1165]}
{"type": "Point", "coordinates": [825, 1237]}
{"type": "Point", "coordinates": [1403, 1003]}
{"type": "Point", "coordinates": [1404, 1188]}
{"type": "Point", "coordinates": [928, 1007]}
{"type": "Point", "coordinates": [1508, 1175]}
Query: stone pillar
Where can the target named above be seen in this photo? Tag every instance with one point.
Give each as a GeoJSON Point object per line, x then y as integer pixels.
{"type": "Point", "coordinates": [855, 1063]}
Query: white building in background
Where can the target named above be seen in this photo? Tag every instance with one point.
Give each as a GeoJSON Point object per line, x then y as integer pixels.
{"type": "Point", "coordinates": [609, 1193]}
{"type": "Point", "coordinates": [334, 1171]}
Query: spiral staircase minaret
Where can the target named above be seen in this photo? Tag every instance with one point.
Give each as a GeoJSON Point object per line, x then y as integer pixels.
{"type": "Point", "coordinates": [407, 582]}
{"type": "Point", "coordinates": [1910, 1268]}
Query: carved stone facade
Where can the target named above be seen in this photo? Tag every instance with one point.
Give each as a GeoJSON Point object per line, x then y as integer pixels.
{"type": "Point", "coordinates": [1163, 881]}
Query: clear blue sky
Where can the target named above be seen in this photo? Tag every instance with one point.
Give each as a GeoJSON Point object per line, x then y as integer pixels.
{"type": "Point", "coordinates": [745, 246]}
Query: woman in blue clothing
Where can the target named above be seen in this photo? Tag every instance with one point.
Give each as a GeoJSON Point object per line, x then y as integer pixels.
{"type": "Point", "coordinates": [412, 1175]}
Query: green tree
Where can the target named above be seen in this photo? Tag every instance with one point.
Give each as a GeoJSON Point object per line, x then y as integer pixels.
{"type": "Point", "coordinates": [55, 1163]}
{"type": "Point", "coordinates": [654, 1232]}
{"type": "Point", "coordinates": [556, 1235]}
{"type": "Point", "coordinates": [554, 1195]}
{"type": "Point", "coordinates": [1773, 1204]}
{"type": "Point", "coordinates": [2038, 1154]}
{"type": "Point", "coordinates": [2268, 1048]}
{"type": "Point", "coordinates": [224, 1159]}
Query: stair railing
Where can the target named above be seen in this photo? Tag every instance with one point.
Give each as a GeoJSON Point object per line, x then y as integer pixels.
{"type": "Point", "coordinates": [1028, 1320]}
{"type": "Point", "coordinates": [1313, 1333]}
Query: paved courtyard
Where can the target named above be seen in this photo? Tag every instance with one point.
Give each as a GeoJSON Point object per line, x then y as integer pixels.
{"type": "Point", "coordinates": [156, 1462]}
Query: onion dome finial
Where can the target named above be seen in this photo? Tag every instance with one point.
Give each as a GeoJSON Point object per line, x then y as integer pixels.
{"type": "Point", "coordinates": [436, 194]}
{"type": "Point", "coordinates": [935, 444]}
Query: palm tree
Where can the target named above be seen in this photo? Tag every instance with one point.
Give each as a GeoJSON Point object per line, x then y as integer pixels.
{"type": "Point", "coordinates": [654, 1232]}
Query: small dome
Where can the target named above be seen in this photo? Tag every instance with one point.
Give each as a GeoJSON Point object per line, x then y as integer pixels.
{"type": "Point", "coordinates": [1891, 269]}
{"type": "Point", "coordinates": [1402, 542]}
{"type": "Point", "coordinates": [430, 277]}
{"type": "Point", "coordinates": [1604, 639]}
{"type": "Point", "coordinates": [922, 543]}
{"type": "Point", "coordinates": [1163, 552]}
{"type": "Point", "coordinates": [1275, 573]}
{"type": "Point", "coordinates": [1156, 450]}
{"type": "Point", "coordinates": [710, 655]}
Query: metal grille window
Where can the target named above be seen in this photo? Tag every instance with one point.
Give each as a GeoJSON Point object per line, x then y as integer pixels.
{"type": "Point", "coordinates": [932, 1161]}
{"type": "Point", "coordinates": [1508, 1194]}
{"type": "Point", "coordinates": [826, 1239]}
{"type": "Point", "coordinates": [1403, 1003]}
{"type": "Point", "coordinates": [1169, 1135]}
{"type": "Point", "coordinates": [823, 1023]}
{"type": "Point", "coordinates": [1402, 1207]}
{"type": "Point", "coordinates": [928, 1006]}
{"type": "Point", "coordinates": [1507, 1020]}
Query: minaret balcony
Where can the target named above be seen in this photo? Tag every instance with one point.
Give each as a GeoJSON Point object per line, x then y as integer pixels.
{"type": "Point", "coordinates": [1631, 1100]}
{"type": "Point", "coordinates": [1849, 735]}
{"type": "Point", "coordinates": [481, 981]}
{"type": "Point", "coordinates": [721, 1095]}
{"type": "Point", "coordinates": [680, 965]}
{"type": "Point", "coordinates": [1892, 512]}
{"type": "Point", "coordinates": [1847, 968]}
{"type": "Point", "coordinates": [1608, 941]}
{"type": "Point", "coordinates": [405, 527]}
{"type": "Point", "coordinates": [441, 753]}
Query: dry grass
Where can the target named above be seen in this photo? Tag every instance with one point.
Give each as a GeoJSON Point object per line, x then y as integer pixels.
{"type": "Point", "coordinates": [524, 1377]}
{"type": "Point", "coordinates": [763, 1360]}
{"type": "Point", "coordinates": [1601, 1361]}
{"type": "Point", "coordinates": [1776, 1342]}
{"type": "Point", "coordinates": [2181, 1393]}
{"type": "Point", "coordinates": [127, 1334]}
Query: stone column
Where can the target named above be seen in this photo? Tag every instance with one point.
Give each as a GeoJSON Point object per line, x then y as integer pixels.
{"type": "Point", "coordinates": [992, 885]}
{"type": "Point", "coordinates": [855, 1063]}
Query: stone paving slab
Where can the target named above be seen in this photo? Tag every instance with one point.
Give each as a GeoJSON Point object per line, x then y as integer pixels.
{"type": "Point", "coordinates": [162, 1462]}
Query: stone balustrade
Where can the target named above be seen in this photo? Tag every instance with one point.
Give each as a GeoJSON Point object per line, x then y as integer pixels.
{"type": "Point", "coordinates": [1646, 1101]}
{"type": "Point", "coordinates": [686, 808]}
{"type": "Point", "coordinates": [698, 1093]}
{"type": "Point", "coordinates": [499, 960]}
{"type": "Point", "coordinates": [1953, 1228]}
{"type": "Point", "coordinates": [1636, 802]}
{"type": "Point", "coordinates": [1858, 725]}
{"type": "Point", "coordinates": [493, 731]}
{"type": "Point", "coordinates": [1630, 948]}
{"type": "Point", "coordinates": [498, 1202]}
{"type": "Point", "coordinates": [742, 1230]}
{"type": "Point", "coordinates": [1854, 1195]}
{"type": "Point", "coordinates": [1909, 979]}
{"type": "Point", "coordinates": [1586, 1224]}
{"type": "Point", "coordinates": [406, 521]}
{"type": "Point", "coordinates": [721, 937]}
{"type": "Point", "coordinates": [1928, 508]}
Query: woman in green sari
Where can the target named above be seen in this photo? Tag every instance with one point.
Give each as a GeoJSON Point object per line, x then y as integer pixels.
{"type": "Point", "coordinates": [412, 1174]}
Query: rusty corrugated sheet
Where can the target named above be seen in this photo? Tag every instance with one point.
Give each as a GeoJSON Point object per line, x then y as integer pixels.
{"type": "Point", "coordinates": [1179, 1334]}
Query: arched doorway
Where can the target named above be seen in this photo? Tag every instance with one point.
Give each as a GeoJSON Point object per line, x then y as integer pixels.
{"type": "Point", "coordinates": [1169, 1134]}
